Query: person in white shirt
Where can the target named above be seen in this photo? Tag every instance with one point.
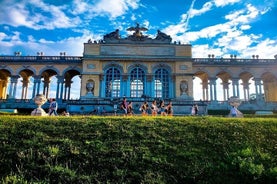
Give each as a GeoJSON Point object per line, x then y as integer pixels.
{"type": "Point", "coordinates": [53, 107]}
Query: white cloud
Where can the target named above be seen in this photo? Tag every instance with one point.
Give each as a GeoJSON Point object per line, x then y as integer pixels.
{"type": "Point", "coordinates": [43, 41]}
{"type": "Point", "coordinates": [265, 49]}
{"type": "Point", "coordinates": [245, 27]}
{"type": "Point", "coordinates": [73, 46]}
{"type": "Point", "coordinates": [174, 30]}
{"type": "Point", "coordinates": [202, 51]}
{"type": "Point", "coordinates": [206, 7]}
{"type": "Point", "coordinates": [79, 7]}
{"type": "Point", "coordinates": [13, 14]}
{"type": "Point", "coordinates": [2, 36]}
{"type": "Point", "coordinates": [243, 16]}
{"type": "Point", "coordinates": [221, 3]}
{"type": "Point", "coordinates": [114, 8]}
{"type": "Point", "coordinates": [229, 37]}
{"type": "Point", "coordinates": [46, 16]}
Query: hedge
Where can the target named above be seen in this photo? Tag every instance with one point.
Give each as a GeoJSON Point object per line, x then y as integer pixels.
{"type": "Point", "coordinates": [91, 149]}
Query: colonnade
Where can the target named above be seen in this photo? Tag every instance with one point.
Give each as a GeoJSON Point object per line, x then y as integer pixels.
{"type": "Point", "coordinates": [63, 87]}
{"type": "Point", "coordinates": [210, 93]}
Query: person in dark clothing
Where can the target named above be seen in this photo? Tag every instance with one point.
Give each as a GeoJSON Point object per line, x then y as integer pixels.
{"type": "Point", "coordinates": [124, 106]}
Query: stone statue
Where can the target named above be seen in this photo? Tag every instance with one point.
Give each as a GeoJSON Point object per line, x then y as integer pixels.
{"type": "Point", "coordinates": [137, 30]}
{"type": "Point", "coordinates": [112, 35]}
{"type": "Point", "coordinates": [39, 101]}
{"type": "Point", "coordinates": [184, 87]}
{"type": "Point", "coordinates": [162, 36]}
{"type": "Point", "coordinates": [184, 91]}
{"type": "Point", "coordinates": [90, 87]}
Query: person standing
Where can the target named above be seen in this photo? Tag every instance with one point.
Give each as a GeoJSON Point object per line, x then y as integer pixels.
{"type": "Point", "coordinates": [194, 110]}
{"type": "Point", "coordinates": [169, 109]}
{"type": "Point", "coordinates": [124, 106]}
{"type": "Point", "coordinates": [234, 111]}
{"type": "Point", "coordinates": [53, 107]}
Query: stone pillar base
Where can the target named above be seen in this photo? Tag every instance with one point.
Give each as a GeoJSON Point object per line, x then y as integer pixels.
{"type": "Point", "coordinates": [38, 112]}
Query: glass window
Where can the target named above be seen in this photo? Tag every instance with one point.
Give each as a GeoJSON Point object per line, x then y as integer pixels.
{"type": "Point", "coordinates": [112, 82]}
{"type": "Point", "coordinates": [137, 82]}
{"type": "Point", "coordinates": [161, 83]}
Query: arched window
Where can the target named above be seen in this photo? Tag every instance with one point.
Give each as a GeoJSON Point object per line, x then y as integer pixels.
{"type": "Point", "coordinates": [161, 87]}
{"type": "Point", "coordinates": [112, 82]}
{"type": "Point", "coordinates": [137, 82]}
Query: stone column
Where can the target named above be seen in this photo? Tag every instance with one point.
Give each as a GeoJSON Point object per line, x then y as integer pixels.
{"type": "Point", "coordinates": [46, 87]}
{"type": "Point", "coordinates": [3, 89]}
{"type": "Point", "coordinates": [205, 91]}
{"type": "Point", "coordinates": [258, 88]}
{"type": "Point", "coordinates": [125, 91]}
{"type": "Point", "coordinates": [150, 86]}
{"type": "Point", "coordinates": [60, 80]}
{"type": "Point", "coordinates": [102, 85]}
{"type": "Point", "coordinates": [172, 85]}
{"type": "Point", "coordinates": [215, 92]}
{"type": "Point", "coordinates": [13, 86]}
{"type": "Point", "coordinates": [235, 83]}
{"type": "Point", "coordinates": [213, 89]}
{"type": "Point", "coordinates": [67, 88]}
{"type": "Point", "coordinates": [62, 90]}
{"type": "Point", "coordinates": [225, 90]}
{"type": "Point", "coordinates": [25, 84]}
{"type": "Point", "coordinates": [36, 81]}
{"type": "Point", "coordinates": [38, 84]}
{"type": "Point", "coordinates": [246, 90]}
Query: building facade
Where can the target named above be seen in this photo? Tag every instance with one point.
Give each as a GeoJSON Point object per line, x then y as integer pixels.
{"type": "Point", "coordinates": [140, 68]}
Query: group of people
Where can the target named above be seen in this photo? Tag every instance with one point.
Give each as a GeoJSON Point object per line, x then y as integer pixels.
{"type": "Point", "coordinates": [154, 109]}
{"type": "Point", "coordinates": [127, 107]}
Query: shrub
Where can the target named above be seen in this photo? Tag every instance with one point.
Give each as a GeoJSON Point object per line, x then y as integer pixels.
{"type": "Point", "coordinates": [82, 149]}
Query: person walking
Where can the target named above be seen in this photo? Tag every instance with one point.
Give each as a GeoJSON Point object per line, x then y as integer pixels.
{"type": "Point", "coordinates": [130, 110]}
{"type": "Point", "coordinates": [143, 108]}
{"type": "Point", "coordinates": [162, 108]}
{"type": "Point", "coordinates": [53, 107]}
{"type": "Point", "coordinates": [154, 108]}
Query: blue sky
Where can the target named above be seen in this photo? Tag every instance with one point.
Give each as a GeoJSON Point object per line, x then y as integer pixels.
{"type": "Point", "coordinates": [219, 27]}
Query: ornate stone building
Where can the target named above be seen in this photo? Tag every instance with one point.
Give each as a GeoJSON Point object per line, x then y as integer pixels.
{"type": "Point", "coordinates": [139, 68]}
